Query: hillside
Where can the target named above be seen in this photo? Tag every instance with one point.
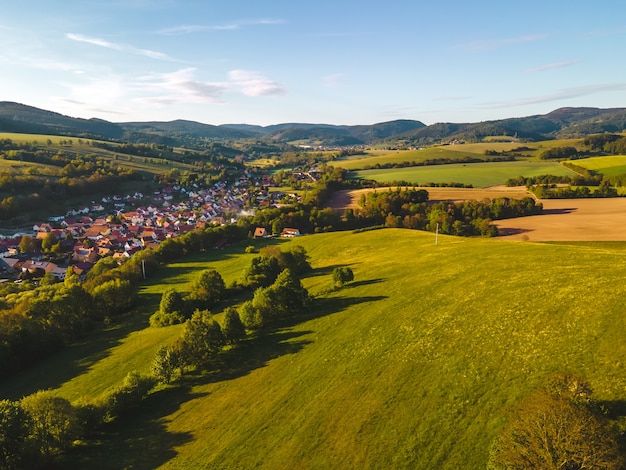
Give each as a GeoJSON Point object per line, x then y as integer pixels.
{"type": "Point", "coordinates": [414, 365]}
{"type": "Point", "coordinates": [561, 123]}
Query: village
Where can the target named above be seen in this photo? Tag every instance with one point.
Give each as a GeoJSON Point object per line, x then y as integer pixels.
{"type": "Point", "coordinates": [117, 227]}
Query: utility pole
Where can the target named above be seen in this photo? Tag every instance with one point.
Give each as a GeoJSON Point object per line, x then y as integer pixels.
{"type": "Point", "coordinates": [437, 234]}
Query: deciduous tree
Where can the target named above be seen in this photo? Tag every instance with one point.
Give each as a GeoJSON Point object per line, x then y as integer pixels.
{"type": "Point", "coordinates": [557, 428]}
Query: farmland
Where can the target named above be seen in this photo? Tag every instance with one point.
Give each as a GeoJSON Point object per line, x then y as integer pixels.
{"type": "Point", "coordinates": [613, 165]}
{"type": "Point", "coordinates": [378, 374]}
{"type": "Point", "coordinates": [479, 175]}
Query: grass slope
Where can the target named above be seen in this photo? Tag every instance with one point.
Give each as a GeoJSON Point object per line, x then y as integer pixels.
{"type": "Point", "coordinates": [480, 175]}
{"type": "Point", "coordinates": [412, 366]}
{"type": "Point", "coordinates": [613, 165]}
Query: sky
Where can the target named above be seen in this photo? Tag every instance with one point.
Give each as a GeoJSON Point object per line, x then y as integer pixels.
{"type": "Point", "coordinates": [342, 62]}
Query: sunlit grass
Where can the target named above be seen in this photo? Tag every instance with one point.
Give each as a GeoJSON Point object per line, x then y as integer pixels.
{"type": "Point", "coordinates": [414, 365]}
{"type": "Point", "coordinates": [613, 165]}
{"type": "Point", "coordinates": [479, 175]}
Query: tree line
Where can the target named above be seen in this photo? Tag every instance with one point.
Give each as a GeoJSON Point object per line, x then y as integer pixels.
{"type": "Point", "coordinates": [40, 427]}
{"type": "Point", "coordinates": [410, 208]}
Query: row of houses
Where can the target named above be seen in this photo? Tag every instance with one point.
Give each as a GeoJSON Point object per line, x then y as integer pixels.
{"type": "Point", "coordinates": [85, 237]}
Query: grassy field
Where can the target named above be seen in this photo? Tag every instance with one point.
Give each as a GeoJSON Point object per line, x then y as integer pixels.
{"type": "Point", "coordinates": [372, 158]}
{"type": "Point", "coordinates": [414, 365]}
{"type": "Point", "coordinates": [477, 150]}
{"type": "Point", "coordinates": [480, 175]}
{"type": "Point", "coordinates": [82, 147]}
{"type": "Point", "coordinates": [613, 165]}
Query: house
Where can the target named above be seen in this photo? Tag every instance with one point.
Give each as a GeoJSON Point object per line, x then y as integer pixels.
{"type": "Point", "coordinates": [260, 232]}
{"type": "Point", "coordinates": [290, 232]}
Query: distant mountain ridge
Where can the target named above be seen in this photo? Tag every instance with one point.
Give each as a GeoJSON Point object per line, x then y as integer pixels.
{"type": "Point", "coordinates": [562, 122]}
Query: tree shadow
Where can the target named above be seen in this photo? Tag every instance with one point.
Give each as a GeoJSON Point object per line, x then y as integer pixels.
{"type": "Point", "coordinates": [615, 409]}
{"type": "Point", "coordinates": [139, 439]}
{"type": "Point", "coordinates": [73, 360]}
{"type": "Point", "coordinates": [366, 282]}
{"type": "Point", "coordinates": [508, 231]}
{"type": "Point", "coordinates": [560, 210]}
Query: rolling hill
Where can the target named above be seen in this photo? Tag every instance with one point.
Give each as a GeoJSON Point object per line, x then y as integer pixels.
{"type": "Point", "coordinates": [561, 123]}
{"type": "Point", "coordinates": [414, 365]}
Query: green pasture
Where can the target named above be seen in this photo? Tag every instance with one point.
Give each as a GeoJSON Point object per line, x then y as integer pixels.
{"type": "Point", "coordinates": [400, 156]}
{"type": "Point", "coordinates": [458, 151]}
{"type": "Point", "coordinates": [613, 165]}
{"type": "Point", "coordinates": [480, 175]}
{"type": "Point", "coordinates": [413, 365]}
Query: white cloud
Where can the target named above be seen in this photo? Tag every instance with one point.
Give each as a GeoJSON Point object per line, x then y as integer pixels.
{"type": "Point", "coordinates": [490, 44]}
{"type": "Point", "coordinates": [568, 93]}
{"type": "Point", "coordinates": [254, 84]}
{"type": "Point", "coordinates": [180, 87]}
{"type": "Point", "coordinates": [334, 80]}
{"type": "Point", "coordinates": [118, 47]}
{"type": "Point", "coordinates": [554, 65]}
{"type": "Point", "coordinates": [235, 25]}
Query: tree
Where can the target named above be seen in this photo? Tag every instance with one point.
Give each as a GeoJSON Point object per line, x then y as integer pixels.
{"type": "Point", "coordinates": [171, 301]}
{"type": "Point", "coordinates": [557, 428]}
{"type": "Point", "coordinates": [55, 423]}
{"type": "Point", "coordinates": [287, 294]}
{"type": "Point", "coordinates": [71, 278]}
{"type": "Point", "coordinates": [208, 289]}
{"type": "Point", "coordinates": [164, 364]}
{"type": "Point", "coordinates": [27, 244]}
{"type": "Point", "coordinates": [14, 430]}
{"type": "Point", "coordinates": [232, 327]}
{"type": "Point", "coordinates": [201, 340]}
{"type": "Point", "coordinates": [262, 271]}
{"type": "Point", "coordinates": [171, 309]}
{"type": "Point", "coordinates": [342, 275]}
{"type": "Point", "coordinates": [49, 241]}
{"type": "Point", "coordinates": [114, 296]}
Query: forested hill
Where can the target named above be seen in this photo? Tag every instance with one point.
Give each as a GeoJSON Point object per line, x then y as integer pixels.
{"type": "Point", "coordinates": [563, 122]}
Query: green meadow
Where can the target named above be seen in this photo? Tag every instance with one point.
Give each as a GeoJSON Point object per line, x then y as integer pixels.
{"type": "Point", "coordinates": [453, 152]}
{"type": "Point", "coordinates": [414, 365]}
{"type": "Point", "coordinates": [613, 165]}
{"type": "Point", "coordinates": [372, 158]}
{"type": "Point", "coordinates": [479, 175]}
{"type": "Point", "coordinates": [79, 147]}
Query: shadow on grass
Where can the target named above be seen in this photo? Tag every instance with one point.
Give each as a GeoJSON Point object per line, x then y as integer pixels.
{"type": "Point", "coordinates": [327, 270]}
{"type": "Point", "coordinates": [139, 439]}
{"type": "Point", "coordinates": [366, 282]}
{"type": "Point", "coordinates": [73, 360]}
{"type": "Point", "coordinates": [615, 409]}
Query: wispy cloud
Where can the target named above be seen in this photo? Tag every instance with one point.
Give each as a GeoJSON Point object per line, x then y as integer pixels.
{"type": "Point", "coordinates": [118, 47]}
{"type": "Point", "coordinates": [180, 87]}
{"type": "Point", "coordinates": [568, 93]}
{"type": "Point", "coordinates": [334, 80]}
{"type": "Point", "coordinates": [554, 65]}
{"type": "Point", "coordinates": [254, 84]}
{"type": "Point", "coordinates": [491, 44]}
{"type": "Point", "coordinates": [235, 25]}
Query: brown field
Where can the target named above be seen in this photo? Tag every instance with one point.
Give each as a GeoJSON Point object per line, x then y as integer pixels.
{"type": "Point", "coordinates": [350, 199]}
{"type": "Point", "coordinates": [570, 220]}
{"type": "Point", "coordinates": [563, 219]}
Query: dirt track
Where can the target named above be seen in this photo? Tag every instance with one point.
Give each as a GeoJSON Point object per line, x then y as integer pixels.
{"type": "Point", "coordinates": [563, 219]}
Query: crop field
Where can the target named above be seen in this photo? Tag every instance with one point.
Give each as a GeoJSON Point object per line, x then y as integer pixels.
{"type": "Point", "coordinates": [349, 199]}
{"type": "Point", "coordinates": [571, 220]}
{"type": "Point", "coordinates": [613, 165]}
{"type": "Point", "coordinates": [480, 175]}
{"type": "Point", "coordinates": [414, 365]}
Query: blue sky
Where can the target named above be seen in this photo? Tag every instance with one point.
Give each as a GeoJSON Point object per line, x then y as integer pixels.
{"type": "Point", "coordinates": [339, 62]}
